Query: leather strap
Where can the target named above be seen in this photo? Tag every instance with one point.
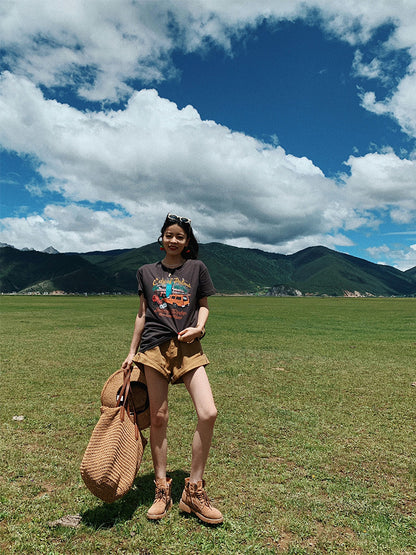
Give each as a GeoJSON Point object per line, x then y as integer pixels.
{"type": "Point", "coordinates": [128, 402]}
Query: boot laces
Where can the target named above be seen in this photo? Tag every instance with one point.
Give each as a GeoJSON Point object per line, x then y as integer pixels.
{"type": "Point", "coordinates": [203, 497]}
{"type": "Point", "coordinates": [161, 494]}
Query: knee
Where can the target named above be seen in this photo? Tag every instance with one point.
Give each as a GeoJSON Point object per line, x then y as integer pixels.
{"type": "Point", "coordinates": [208, 416]}
{"type": "Point", "coordinates": [159, 419]}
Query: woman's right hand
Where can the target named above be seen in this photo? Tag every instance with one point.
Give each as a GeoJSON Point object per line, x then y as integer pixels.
{"type": "Point", "coordinates": [128, 362]}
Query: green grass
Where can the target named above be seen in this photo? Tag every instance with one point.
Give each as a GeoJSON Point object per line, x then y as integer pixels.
{"type": "Point", "coordinates": [313, 449]}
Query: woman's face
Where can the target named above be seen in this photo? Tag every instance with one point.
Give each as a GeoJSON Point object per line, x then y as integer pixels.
{"type": "Point", "coordinates": [174, 240]}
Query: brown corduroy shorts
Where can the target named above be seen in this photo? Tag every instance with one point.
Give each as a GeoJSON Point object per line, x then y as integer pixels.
{"type": "Point", "coordinates": [173, 358]}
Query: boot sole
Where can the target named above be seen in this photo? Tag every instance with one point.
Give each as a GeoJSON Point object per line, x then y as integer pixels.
{"type": "Point", "coordinates": [158, 517]}
{"type": "Point", "coordinates": [187, 509]}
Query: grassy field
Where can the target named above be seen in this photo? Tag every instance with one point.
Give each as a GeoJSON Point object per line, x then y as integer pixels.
{"type": "Point", "coordinates": [314, 448]}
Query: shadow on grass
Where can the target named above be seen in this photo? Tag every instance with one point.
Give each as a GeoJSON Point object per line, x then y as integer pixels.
{"type": "Point", "coordinates": [141, 495]}
{"type": "Point", "coordinates": [200, 522]}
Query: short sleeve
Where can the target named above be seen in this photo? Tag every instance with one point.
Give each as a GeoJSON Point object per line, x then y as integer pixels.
{"type": "Point", "coordinates": [139, 277]}
{"type": "Point", "coordinates": [206, 287]}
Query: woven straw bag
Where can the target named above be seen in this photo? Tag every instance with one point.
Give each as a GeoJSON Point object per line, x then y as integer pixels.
{"type": "Point", "coordinates": [114, 452]}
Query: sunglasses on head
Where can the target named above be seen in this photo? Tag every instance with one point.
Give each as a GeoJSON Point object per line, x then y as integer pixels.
{"type": "Point", "coordinates": [175, 218]}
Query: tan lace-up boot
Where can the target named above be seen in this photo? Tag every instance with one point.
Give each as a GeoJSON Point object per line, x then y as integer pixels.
{"type": "Point", "coordinates": [195, 500]}
{"type": "Point", "coordinates": [163, 499]}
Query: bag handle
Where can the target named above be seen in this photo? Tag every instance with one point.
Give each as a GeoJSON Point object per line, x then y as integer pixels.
{"type": "Point", "coordinates": [130, 401]}
{"type": "Point", "coordinates": [122, 400]}
{"type": "Point", "coordinates": [122, 396]}
{"type": "Point", "coordinates": [125, 399]}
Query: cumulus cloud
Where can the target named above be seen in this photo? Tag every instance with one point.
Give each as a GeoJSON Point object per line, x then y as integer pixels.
{"type": "Point", "coordinates": [402, 259]}
{"type": "Point", "coordinates": [401, 105]}
{"type": "Point", "coordinates": [151, 153]}
{"type": "Point", "coordinates": [81, 44]}
{"type": "Point", "coordinates": [74, 228]}
{"type": "Point", "coordinates": [383, 181]}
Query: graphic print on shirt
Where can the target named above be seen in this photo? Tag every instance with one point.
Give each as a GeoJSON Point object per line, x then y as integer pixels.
{"type": "Point", "coordinates": [169, 294]}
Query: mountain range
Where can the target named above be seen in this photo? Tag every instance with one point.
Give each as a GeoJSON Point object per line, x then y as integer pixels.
{"type": "Point", "coordinates": [311, 271]}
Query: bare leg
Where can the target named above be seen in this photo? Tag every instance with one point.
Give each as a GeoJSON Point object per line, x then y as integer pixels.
{"type": "Point", "coordinates": [157, 387]}
{"type": "Point", "coordinates": [198, 386]}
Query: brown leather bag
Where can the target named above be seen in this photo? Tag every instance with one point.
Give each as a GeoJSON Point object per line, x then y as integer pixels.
{"type": "Point", "coordinates": [114, 452]}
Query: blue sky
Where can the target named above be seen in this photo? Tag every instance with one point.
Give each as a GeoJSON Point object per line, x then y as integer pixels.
{"type": "Point", "coordinates": [273, 125]}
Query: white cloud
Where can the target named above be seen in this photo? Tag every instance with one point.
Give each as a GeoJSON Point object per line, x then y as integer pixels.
{"type": "Point", "coordinates": [75, 228]}
{"type": "Point", "coordinates": [370, 70]}
{"type": "Point", "coordinates": [151, 152]}
{"type": "Point", "coordinates": [379, 251]}
{"type": "Point", "coordinates": [401, 104]}
{"type": "Point", "coordinates": [295, 245]}
{"type": "Point", "coordinates": [60, 43]}
{"type": "Point", "coordinates": [151, 155]}
{"type": "Point", "coordinates": [383, 181]}
{"type": "Point", "coordinates": [400, 258]}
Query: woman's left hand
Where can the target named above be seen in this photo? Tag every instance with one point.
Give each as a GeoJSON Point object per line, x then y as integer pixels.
{"type": "Point", "coordinates": [188, 335]}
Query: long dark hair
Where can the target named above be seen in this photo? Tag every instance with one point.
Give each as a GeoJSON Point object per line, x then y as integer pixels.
{"type": "Point", "coordinates": [191, 251]}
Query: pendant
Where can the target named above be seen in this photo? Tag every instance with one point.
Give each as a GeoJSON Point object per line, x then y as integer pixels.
{"type": "Point", "coordinates": [169, 287]}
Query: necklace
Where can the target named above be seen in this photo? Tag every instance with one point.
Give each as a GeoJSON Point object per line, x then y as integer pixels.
{"type": "Point", "coordinates": [173, 267]}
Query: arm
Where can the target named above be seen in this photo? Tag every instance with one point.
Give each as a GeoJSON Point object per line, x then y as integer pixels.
{"type": "Point", "coordinates": [190, 334]}
{"type": "Point", "coordinates": [137, 333]}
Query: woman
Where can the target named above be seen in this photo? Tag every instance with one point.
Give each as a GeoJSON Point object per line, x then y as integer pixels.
{"type": "Point", "coordinates": [169, 325]}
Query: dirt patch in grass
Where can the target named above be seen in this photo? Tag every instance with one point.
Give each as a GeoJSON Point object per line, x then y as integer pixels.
{"type": "Point", "coordinates": [285, 541]}
{"type": "Point", "coordinates": [325, 537]}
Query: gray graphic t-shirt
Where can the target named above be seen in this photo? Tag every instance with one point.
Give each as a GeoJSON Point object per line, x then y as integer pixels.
{"type": "Point", "coordinates": [172, 299]}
